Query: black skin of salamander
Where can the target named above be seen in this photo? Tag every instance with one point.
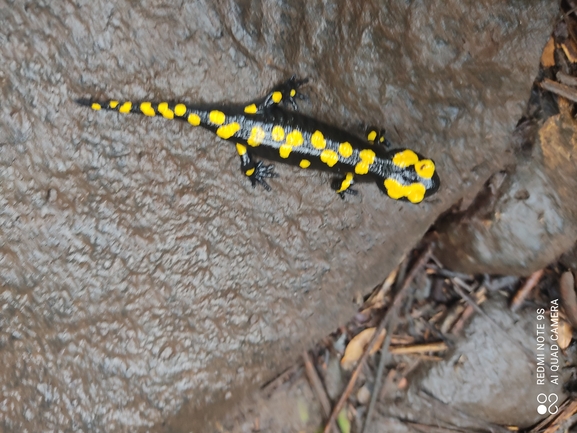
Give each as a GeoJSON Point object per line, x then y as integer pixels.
{"type": "Point", "coordinates": [270, 113]}
{"type": "Point", "coordinates": [291, 120]}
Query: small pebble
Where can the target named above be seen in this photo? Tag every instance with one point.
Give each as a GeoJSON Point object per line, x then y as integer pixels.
{"type": "Point", "coordinates": [363, 395]}
{"type": "Point", "coordinates": [52, 195]}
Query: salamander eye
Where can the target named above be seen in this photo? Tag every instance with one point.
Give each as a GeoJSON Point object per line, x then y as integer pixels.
{"type": "Point", "coordinates": [425, 168]}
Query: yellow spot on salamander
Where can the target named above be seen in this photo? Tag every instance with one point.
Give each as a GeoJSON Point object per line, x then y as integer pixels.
{"type": "Point", "coordinates": [367, 158]}
{"type": "Point", "coordinates": [113, 104]}
{"type": "Point", "coordinates": [95, 106]}
{"type": "Point", "coordinates": [347, 182]}
{"type": "Point", "coordinates": [165, 111]}
{"type": "Point", "coordinates": [217, 117]}
{"type": "Point", "coordinates": [305, 163]}
{"type": "Point", "coordinates": [367, 155]}
{"type": "Point", "coordinates": [194, 119]}
{"type": "Point", "coordinates": [318, 140]}
{"type": "Point", "coordinates": [362, 167]}
{"type": "Point", "coordinates": [285, 150]}
{"type": "Point", "coordinates": [125, 108]}
{"type": "Point", "coordinates": [276, 97]}
{"type": "Point", "coordinates": [405, 158]}
{"type": "Point", "coordinates": [294, 138]}
{"type": "Point", "coordinates": [249, 172]}
{"type": "Point", "coordinates": [425, 168]}
{"type": "Point", "coordinates": [277, 133]}
{"type": "Point", "coordinates": [167, 114]}
{"type": "Point", "coordinates": [372, 135]}
{"type": "Point", "coordinates": [228, 131]}
{"type": "Point", "coordinates": [329, 157]}
{"type": "Point", "coordinates": [345, 149]}
{"type": "Point", "coordinates": [147, 110]}
{"type": "Point", "coordinates": [257, 135]}
{"type": "Point", "coordinates": [250, 109]}
{"type": "Point", "coordinates": [293, 93]}
{"type": "Point", "coordinates": [414, 192]}
{"type": "Point", "coordinates": [241, 149]}
{"type": "Point", "coordinates": [163, 106]}
{"type": "Point", "coordinates": [180, 110]}
{"type": "Point", "coordinates": [394, 189]}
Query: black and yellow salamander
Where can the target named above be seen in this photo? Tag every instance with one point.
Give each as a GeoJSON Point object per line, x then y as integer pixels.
{"type": "Point", "coordinates": [268, 129]}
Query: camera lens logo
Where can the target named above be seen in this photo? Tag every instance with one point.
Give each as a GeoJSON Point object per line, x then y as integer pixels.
{"type": "Point", "coordinates": [547, 404]}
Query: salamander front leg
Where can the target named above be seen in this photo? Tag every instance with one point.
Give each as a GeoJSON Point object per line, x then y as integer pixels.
{"type": "Point", "coordinates": [342, 185]}
{"type": "Point", "coordinates": [376, 136]}
{"type": "Point", "coordinates": [257, 172]}
{"type": "Point", "coordinates": [286, 92]}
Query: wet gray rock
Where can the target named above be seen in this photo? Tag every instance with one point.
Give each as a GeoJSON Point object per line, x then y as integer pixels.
{"type": "Point", "coordinates": [144, 282]}
{"type": "Point", "coordinates": [491, 376]}
{"type": "Point", "coordinates": [488, 379]}
{"type": "Point", "coordinates": [530, 218]}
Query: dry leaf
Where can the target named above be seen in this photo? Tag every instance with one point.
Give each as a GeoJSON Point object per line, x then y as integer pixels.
{"type": "Point", "coordinates": [565, 334]}
{"type": "Point", "coordinates": [548, 58]}
{"type": "Point", "coordinates": [570, 50]}
{"type": "Point", "coordinates": [357, 345]}
{"type": "Point", "coordinates": [403, 383]}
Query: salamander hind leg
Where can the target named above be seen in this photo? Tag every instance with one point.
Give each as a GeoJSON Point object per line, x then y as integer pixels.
{"type": "Point", "coordinates": [257, 172]}
{"type": "Point", "coordinates": [342, 185]}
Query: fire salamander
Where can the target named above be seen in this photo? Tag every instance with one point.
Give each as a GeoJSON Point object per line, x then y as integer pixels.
{"type": "Point", "coordinates": [268, 129]}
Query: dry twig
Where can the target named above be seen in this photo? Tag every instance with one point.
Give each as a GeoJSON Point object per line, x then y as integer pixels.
{"type": "Point", "coordinates": [424, 428]}
{"type": "Point", "coordinates": [559, 89]}
{"type": "Point", "coordinates": [394, 307]}
{"type": "Point", "coordinates": [317, 385]}
{"type": "Point", "coordinates": [524, 291]}
{"type": "Point", "coordinates": [459, 324]}
{"type": "Point", "coordinates": [472, 303]}
{"type": "Point", "coordinates": [433, 269]}
{"type": "Point", "coordinates": [269, 387]}
{"type": "Point", "coordinates": [379, 377]}
{"type": "Point", "coordinates": [566, 79]}
{"type": "Point", "coordinates": [439, 346]}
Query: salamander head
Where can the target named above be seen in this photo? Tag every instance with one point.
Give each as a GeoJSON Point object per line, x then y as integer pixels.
{"type": "Point", "coordinates": [411, 176]}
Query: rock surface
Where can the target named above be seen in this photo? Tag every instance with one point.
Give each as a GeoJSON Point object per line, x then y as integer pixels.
{"type": "Point", "coordinates": [143, 282]}
{"type": "Point", "coordinates": [487, 380]}
{"type": "Point", "coordinates": [530, 219]}
{"type": "Point", "coordinates": [492, 374]}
